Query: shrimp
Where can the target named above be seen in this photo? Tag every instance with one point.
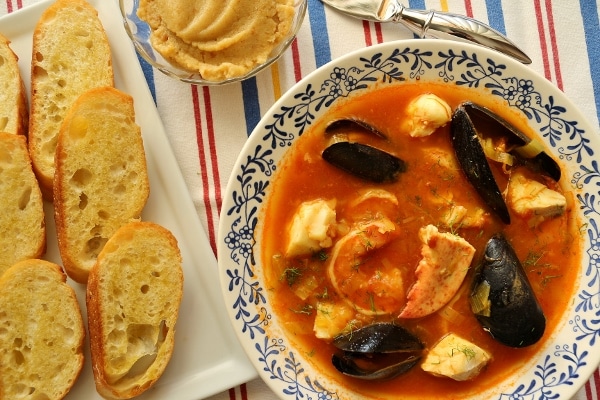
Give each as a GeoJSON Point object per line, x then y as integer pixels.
{"type": "Point", "coordinates": [367, 282]}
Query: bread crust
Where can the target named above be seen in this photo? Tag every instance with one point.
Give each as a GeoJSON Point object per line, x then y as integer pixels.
{"type": "Point", "coordinates": [22, 223]}
{"type": "Point", "coordinates": [43, 329]}
{"type": "Point", "coordinates": [70, 55]}
{"type": "Point", "coordinates": [14, 113]}
{"type": "Point", "coordinates": [101, 180]}
{"type": "Point", "coordinates": [133, 296]}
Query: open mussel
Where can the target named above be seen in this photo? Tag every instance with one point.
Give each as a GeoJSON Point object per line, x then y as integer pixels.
{"type": "Point", "coordinates": [378, 351]}
{"type": "Point", "coordinates": [364, 161]}
{"type": "Point", "coordinates": [468, 122]}
{"type": "Point", "coordinates": [352, 125]}
{"type": "Point", "coordinates": [358, 159]}
{"type": "Point", "coordinates": [520, 145]}
{"type": "Point", "coordinates": [502, 298]}
{"type": "Point", "coordinates": [473, 162]}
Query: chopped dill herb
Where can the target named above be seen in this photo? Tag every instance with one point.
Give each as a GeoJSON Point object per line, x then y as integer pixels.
{"type": "Point", "coordinates": [532, 259]}
{"type": "Point", "coordinates": [321, 255]}
{"type": "Point", "coordinates": [546, 279]}
{"type": "Point", "coordinates": [454, 228]}
{"type": "Point", "coordinates": [372, 301]}
{"type": "Point", "coordinates": [324, 295]}
{"type": "Point", "coordinates": [291, 275]}
{"type": "Point", "coordinates": [350, 327]}
{"type": "Point", "coordinates": [469, 352]}
{"type": "Point", "coordinates": [324, 310]}
{"type": "Point", "coordinates": [357, 263]}
{"type": "Point", "coordinates": [366, 241]}
{"type": "Point", "coordinates": [305, 309]}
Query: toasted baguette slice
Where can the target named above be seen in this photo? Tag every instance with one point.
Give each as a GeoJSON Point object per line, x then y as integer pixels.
{"type": "Point", "coordinates": [22, 225]}
{"type": "Point", "coordinates": [101, 180]}
{"type": "Point", "coordinates": [13, 98]}
{"type": "Point", "coordinates": [41, 345]}
{"type": "Point", "coordinates": [133, 298]}
{"type": "Point", "coordinates": [70, 55]}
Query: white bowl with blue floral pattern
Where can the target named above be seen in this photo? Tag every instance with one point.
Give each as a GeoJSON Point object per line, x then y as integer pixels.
{"type": "Point", "coordinates": [565, 362]}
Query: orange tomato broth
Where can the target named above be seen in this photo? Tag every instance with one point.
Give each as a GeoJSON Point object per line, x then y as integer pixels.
{"type": "Point", "coordinates": [550, 252]}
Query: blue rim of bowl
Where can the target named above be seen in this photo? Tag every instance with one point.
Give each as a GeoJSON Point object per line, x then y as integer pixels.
{"type": "Point", "coordinates": [145, 50]}
{"type": "Point", "coordinates": [567, 359]}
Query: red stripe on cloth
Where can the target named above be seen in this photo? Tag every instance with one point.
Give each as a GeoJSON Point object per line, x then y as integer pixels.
{"type": "Point", "coordinates": [367, 32]}
{"type": "Point", "coordinates": [215, 170]}
{"type": "Point", "coordinates": [469, 8]}
{"type": "Point", "coordinates": [9, 6]}
{"type": "Point", "coordinates": [232, 394]}
{"type": "Point", "coordinates": [203, 171]}
{"type": "Point", "coordinates": [542, 35]}
{"type": "Point", "coordinates": [592, 385]}
{"type": "Point", "coordinates": [244, 391]}
{"type": "Point", "coordinates": [296, 60]}
{"type": "Point", "coordinates": [212, 143]}
{"type": "Point", "coordinates": [596, 378]}
{"type": "Point", "coordinates": [379, 33]}
{"type": "Point", "coordinates": [554, 44]}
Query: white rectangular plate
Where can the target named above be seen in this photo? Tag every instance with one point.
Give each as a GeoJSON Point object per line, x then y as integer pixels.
{"type": "Point", "coordinates": [207, 358]}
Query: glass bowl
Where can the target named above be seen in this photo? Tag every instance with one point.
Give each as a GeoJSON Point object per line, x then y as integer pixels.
{"type": "Point", "coordinates": [139, 33]}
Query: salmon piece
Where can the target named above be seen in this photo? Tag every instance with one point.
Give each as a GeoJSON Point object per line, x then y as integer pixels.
{"type": "Point", "coordinates": [445, 261]}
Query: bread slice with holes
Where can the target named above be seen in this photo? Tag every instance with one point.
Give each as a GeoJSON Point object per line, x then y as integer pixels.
{"type": "Point", "coordinates": [101, 180]}
{"type": "Point", "coordinates": [13, 97]}
{"type": "Point", "coordinates": [71, 55]}
{"type": "Point", "coordinates": [41, 332]}
{"type": "Point", "coordinates": [133, 297]}
{"type": "Point", "coordinates": [22, 225]}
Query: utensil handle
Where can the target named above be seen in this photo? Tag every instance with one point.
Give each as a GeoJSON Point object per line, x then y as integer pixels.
{"type": "Point", "coordinates": [441, 25]}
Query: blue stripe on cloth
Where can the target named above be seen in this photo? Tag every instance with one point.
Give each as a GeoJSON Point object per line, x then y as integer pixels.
{"type": "Point", "coordinates": [149, 75]}
{"type": "Point", "coordinates": [591, 25]}
{"type": "Point", "coordinates": [495, 15]}
{"type": "Point", "coordinates": [318, 26]}
{"type": "Point", "coordinates": [251, 104]}
{"type": "Point", "coordinates": [417, 4]}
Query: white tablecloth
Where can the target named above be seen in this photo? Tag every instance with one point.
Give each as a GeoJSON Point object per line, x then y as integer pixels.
{"type": "Point", "coordinates": [207, 127]}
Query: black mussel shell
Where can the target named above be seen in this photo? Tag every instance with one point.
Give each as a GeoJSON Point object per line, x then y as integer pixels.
{"type": "Point", "coordinates": [352, 125]}
{"type": "Point", "coordinates": [377, 352]}
{"type": "Point", "coordinates": [373, 369]}
{"type": "Point", "coordinates": [381, 337]}
{"type": "Point", "coordinates": [515, 317]}
{"type": "Point", "coordinates": [541, 162]}
{"type": "Point", "coordinates": [364, 161]}
{"type": "Point", "coordinates": [474, 163]}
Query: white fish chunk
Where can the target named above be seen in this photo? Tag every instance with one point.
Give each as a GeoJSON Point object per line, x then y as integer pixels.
{"type": "Point", "coordinates": [533, 200]}
{"type": "Point", "coordinates": [332, 319]}
{"type": "Point", "coordinates": [312, 228]}
{"type": "Point", "coordinates": [455, 358]}
{"type": "Point", "coordinates": [427, 113]}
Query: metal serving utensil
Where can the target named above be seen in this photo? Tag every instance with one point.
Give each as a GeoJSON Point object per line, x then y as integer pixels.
{"type": "Point", "coordinates": [431, 24]}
